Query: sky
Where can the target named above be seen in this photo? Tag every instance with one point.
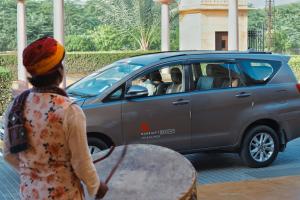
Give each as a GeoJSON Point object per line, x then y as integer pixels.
{"type": "Point", "coordinates": [261, 3]}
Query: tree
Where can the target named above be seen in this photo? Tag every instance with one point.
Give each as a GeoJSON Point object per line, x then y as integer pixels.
{"type": "Point", "coordinates": [79, 43]}
{"type": "Point", "coordinates": [286, 27]}
{"type": "Point", "coordinates": [107, 38]}
{"type": "Point", "coordinates": [8, 28]}
{"type": "Point", "coordinates": [138, 19]}
{"type": "Point", "coordinates": [78, 18]}
{"type": "Point", "coordinates": [39, 19]}
{"type": "Point", "coordinates": [134, 24]}
{"type": "Point", "coordinates": [256, 18]}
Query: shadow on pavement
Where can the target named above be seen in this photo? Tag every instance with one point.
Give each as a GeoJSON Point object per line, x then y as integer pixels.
{"type": "Point", "coordinates": [209, 161]}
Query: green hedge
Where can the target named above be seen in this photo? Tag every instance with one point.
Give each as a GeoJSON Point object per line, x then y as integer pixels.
{"type": "Point", "coordinates": [295, 64]}
{"type": "Point", "coordinates": [5, 88]}
{"type": "Point", "coordinates": [10, 61]}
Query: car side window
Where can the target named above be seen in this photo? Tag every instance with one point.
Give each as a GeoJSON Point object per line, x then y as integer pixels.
{"type": "Point", "coordinates": [215, 75]}
{"type": "Point", "coordinates": [259, 71]}
{"type": "Point", "coordinates": [163, 80]}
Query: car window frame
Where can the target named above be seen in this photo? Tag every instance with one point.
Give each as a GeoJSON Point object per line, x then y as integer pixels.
{"type": "Point", "coordinates": [182, 62]}
{"type": "Point", "coordinates": [214, 60]}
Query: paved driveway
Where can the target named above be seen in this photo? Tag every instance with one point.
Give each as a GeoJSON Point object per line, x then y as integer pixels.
{"type": "Point", "coordinates": [212, 168]}
{"type": "Point", "coordinates": [217, 168]}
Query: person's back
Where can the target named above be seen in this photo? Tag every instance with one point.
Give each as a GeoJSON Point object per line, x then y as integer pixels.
{"type": "Point", "coordinates": [47, 162]}
{"type": "Point", "coordinates": [45, 133]}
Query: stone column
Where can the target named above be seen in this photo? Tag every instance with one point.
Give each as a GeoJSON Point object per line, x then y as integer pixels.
{"type": "Point", "coordinates": [233, 30]}
{"type": "Point", "coordinates": [165, 32]}
{"type": "Point", "coordinates": [21, 37]}
{"type": "Point", "coordinates": [58, 25]}
{"type": "Point", "coordinates": [165, 29]}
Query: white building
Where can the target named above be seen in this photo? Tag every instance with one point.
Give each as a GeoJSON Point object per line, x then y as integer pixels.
{"type": "Point", "coordinates": [204, 24]}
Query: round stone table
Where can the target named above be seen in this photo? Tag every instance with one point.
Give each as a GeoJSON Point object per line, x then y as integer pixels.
{"type": "Point", "coordinates": [148, 172]}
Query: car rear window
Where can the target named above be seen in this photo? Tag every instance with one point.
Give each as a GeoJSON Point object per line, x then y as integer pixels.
{"type": "Point", "coordinates": [259, 71]}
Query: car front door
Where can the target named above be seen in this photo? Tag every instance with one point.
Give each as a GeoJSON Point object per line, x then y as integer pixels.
{"type": "Point", "coordinates": [163, 117]}
{"type": "Point", "coordinates": [219, 103]}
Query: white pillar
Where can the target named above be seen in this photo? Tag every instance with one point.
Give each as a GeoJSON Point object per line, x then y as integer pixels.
{"type": "Point", "coordinates": [21, 34]}
{"type": "Point", "coordinates": [58, 25]}
{"type": "Point", "coordinates": [165, 32]}
{"type": "Point", "coordinates": [233, 30]}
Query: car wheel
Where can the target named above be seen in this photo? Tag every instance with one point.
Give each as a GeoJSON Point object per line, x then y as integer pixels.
{"type": "Point", "coordinates": [260, 146]}
{"type": "Point", "coordinates": [96, 145]}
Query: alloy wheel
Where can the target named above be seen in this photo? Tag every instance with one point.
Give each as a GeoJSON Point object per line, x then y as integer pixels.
{"type": "Point", "coordinates": [262, 147]}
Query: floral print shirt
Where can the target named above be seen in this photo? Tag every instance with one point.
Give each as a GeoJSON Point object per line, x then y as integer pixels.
{"type": "Point", "coordinates": [58, 157]}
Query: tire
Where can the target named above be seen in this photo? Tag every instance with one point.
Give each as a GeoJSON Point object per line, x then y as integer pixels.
{"type": "Point", "coordinates": [96, 145]}
{"type": "Point", "coordinates": [263, 153]}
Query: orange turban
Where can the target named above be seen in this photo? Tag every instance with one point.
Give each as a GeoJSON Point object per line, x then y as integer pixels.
{"type": "Point", "coordinates": [43, 56]}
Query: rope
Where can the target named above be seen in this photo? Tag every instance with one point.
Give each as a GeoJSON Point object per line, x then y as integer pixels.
{"type": "Point", "coordinates": [117, 164]}
{"type": "Point", "coordinates": [112, 148]}
{"type": "Point", "coordinates": [114, 169]}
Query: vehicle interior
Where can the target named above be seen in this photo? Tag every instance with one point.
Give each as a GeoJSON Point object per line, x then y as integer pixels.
{"type": "Point", "coordinates": [215, 75]}
{"type": "Point", "coordinates": [164, 81]}
{"type": "Point", "coordinates": [205, 76]}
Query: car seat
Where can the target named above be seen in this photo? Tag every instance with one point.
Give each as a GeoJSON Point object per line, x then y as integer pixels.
{"type": "Point", "coordinates": [206, 82]}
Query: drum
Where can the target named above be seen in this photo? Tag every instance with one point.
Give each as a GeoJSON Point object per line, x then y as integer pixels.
{"type": "Point", "coordinates": [148, 172]}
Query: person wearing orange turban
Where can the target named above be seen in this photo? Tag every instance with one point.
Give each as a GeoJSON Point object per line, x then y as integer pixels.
{"type": "Point", "coordinates": [45, 132]}
{"type": "Point", "coordinates": [43, 56]}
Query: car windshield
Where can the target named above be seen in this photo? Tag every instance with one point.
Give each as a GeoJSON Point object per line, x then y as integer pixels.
{"type": "Point", "coordinates": [96, 83]}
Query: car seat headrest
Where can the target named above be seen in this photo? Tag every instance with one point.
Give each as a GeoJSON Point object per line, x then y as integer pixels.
{"type": "Point", "coordinates": [209, 69]}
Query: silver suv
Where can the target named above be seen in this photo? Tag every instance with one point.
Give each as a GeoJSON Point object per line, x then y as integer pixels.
{"type": "Point", "coordinates": [191, 101]}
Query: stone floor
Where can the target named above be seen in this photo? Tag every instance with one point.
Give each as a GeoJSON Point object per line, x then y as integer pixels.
{"type": "Point", "coordinates": [9, 182]}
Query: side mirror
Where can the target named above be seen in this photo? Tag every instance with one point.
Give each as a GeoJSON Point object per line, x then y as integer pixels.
{"type": "Point", "coordinates": [136, 91]}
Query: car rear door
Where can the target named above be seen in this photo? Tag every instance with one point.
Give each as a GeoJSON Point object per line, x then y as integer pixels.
{"type": "Point", "coordinates": [159, 119]}
{"type": "Point", "coordinates": [276, 93]}
{"type": "Point", "coordinates": [220, 103]}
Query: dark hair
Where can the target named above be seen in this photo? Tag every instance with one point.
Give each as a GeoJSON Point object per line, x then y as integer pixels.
{"type": "Point", "coordinates": [49, 79]}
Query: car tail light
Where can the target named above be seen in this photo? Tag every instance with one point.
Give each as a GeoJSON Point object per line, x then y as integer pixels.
{"type": "Point", "coordinates": [298, 87]}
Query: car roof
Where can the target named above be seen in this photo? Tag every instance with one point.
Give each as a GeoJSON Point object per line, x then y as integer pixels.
{"type": "Point", "coordinates": [150, 58]}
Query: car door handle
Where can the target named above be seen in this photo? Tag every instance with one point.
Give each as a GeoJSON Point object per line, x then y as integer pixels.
{"type": "Point", "coordinates": [243, 95]}
{"type": "Point", "coordinates": [180, 102]}
{"type": "Point", "coordinates": [281, 90]}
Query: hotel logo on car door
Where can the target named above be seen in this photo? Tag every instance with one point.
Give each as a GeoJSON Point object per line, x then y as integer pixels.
{"type": "Point", "coordinates": [146, 132]}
